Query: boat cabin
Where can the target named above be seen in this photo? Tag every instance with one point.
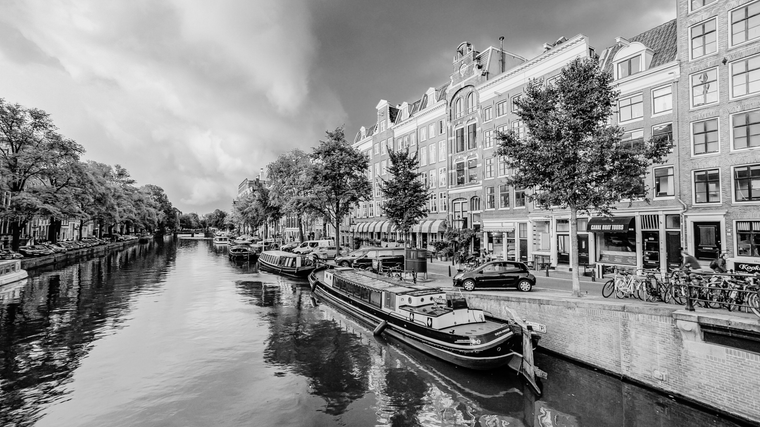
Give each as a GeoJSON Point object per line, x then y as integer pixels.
{"type": "Point", "coordinates": [286, 259]}
{"type": "Point", "coordinates": [419, 304]}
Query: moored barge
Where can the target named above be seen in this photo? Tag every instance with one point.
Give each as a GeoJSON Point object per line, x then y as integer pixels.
{"type": "Point", "coordinates": [286, 263]}
{"type": "Point", "coordinates": [433, 322]}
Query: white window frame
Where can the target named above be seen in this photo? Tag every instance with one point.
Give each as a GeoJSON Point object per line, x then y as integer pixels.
{"type": "Point", "coordinates": [694, 187]}
{"type": "Point", "coordinates": [431, 130]}
{"type": "Point", "coordinates": [691, 137]}
{"type": "Point", "coordinates": [654, 182]}
{"type": "Point", "coordinates": [618, 63]}
{"type": "Point", "coordinates": [442, 177]}
{"type": "Point", "coordinates": [731, 95]}
{"type": "Point", "coordinates": [423, 134]}
{"type": "Point", "coordinates": [433, 178]}
{"type": "Point", "coordinates": [733, 186]}
{"type": "Point", "coordinates": [432, 154]}
{"type": "Point", "coordinates": [632, 119]}
{"type": "Point", "coordinates": [717, 87]}
{"type": "Point", "coordinates": [442, 150]}
{"type": "Point", "coordinates": [730, 25]}
{"type": "Point", "coordinates": [423, 156]}
{"type": "Point", "coordinates": [509, 197]}
{"type": "Point", "coordinates": [487, 139]}
{"type": "Point", "coordinates": [654, 104]}
{"type": "Point", "coordinates": [691, 39]}
{"type": "Point", "coordinates": [703, 6]}
{"type": "Point", "coordinates": [732, 146]}
{"type": "Point", "coordinates": [487, 114]}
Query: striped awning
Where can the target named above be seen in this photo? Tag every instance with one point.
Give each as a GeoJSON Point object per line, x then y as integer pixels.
{"type": "Point", "coordinates": [376, 226]}
{"type": "Point", "coordinates": [436, 226]}
{"type": "Point", "coordinates": [417, 228]}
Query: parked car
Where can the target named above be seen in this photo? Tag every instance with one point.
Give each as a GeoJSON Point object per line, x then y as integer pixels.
{"type": "Point", "coordinates": [325, 252]}
{"type": "Point", "coordinates": [376, 259]}
{"type": "Point", "coordinates": [288, 247]}
{"type": "Point", "coordinates": [497, 274]}
{"type": "Point", "coordinates": [347, 260]}
{"type": "Point", "coordinates": [55, 247]}
{"type": "Point", "coordinates": [9, 254]}
{"type": "Point", "coordinates": [309, 245]}
{"type": "Point", "coordinates": [34, 250]}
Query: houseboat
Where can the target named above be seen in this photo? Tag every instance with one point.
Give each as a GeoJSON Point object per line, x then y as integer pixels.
{"type": "Point", "coordinates": [286, 263]}
{"type": "Point", "coordinates": [11, 271]}
{"type": "Point", "coordinates": [221, 240]}
{"type": "Point", "coordinates": [433, 322]}
{"type": "Point", "coordinates": [241, 252]}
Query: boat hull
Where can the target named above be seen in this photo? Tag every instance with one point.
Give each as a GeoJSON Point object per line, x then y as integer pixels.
{"type": "Point", "coordinates": [285, 271]}
{"type": "Point", "coordinates": [495, 353]}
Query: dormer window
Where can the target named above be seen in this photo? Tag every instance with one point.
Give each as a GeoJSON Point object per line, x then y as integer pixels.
{"type": "Point", "coordinates": [629, 66]}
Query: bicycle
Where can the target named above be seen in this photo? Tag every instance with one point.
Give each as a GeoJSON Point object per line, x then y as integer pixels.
{"type": "Point", "coordinates": [394, 272]}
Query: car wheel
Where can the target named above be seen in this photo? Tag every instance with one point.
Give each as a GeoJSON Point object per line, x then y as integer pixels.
{"type": "Point", "coordinates": [468, 285]}
{"type": "Point", "coordinates": [345, 264]}
{"type": "Point", "coordinates": [524, 285]}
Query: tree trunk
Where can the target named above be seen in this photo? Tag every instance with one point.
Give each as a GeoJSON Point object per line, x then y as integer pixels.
{"type": "Point", "coordinates": [574, 251]}
{"type": "Point", "coordinates": [300, 228]}
{"type": "Point", "coordinates": [16, 235]}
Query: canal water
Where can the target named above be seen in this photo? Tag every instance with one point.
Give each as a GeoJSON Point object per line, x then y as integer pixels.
{"type": "Point", "coordinates": [176, 334]}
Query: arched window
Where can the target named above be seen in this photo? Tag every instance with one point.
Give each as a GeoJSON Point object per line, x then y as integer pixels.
{"type": "Point", "coordinates": [458, 107]}
{"type": "Point", "coordinates": [470, 102]}
{"type": "Point", "coordinates": [475, 204]}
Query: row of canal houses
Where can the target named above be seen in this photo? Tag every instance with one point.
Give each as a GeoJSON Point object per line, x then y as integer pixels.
{"type": "Point", "coordinates": [694, 79]}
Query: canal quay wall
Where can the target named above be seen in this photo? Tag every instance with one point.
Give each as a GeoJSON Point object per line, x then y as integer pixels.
{"type": "Point", "coordinates": [70, 256]}
{"type": "Point", "coordinates": [710, 358]}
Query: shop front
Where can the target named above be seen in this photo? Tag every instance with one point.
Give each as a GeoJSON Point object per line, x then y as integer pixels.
{"type": "Point", "coordinates": [615, 241]}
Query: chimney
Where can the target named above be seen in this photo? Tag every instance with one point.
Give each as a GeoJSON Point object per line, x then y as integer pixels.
{"type": "Point", "coordinates": [547, 46]}
{"type": "Point", "coordinates": [501, 53]}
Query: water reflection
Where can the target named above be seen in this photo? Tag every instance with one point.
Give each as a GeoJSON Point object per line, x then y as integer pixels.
{"type": "Point", "coordinates": [179, 335]}
{"type": "Point", "coordinates": [50, 322]}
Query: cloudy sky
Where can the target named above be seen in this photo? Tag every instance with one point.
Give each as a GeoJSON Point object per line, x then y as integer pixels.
{"type": "Point", "coordinates": [194, 96]}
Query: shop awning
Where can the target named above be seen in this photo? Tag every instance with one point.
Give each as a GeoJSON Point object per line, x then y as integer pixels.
{"type": "Point", "coordinates": [386, 227]}
{"type": "Point", "coordinates": [423, 225]}
{"type": "Point", "coordinates": [377, 226]}
{"type": "Point", "coordinates": [362, 227]}
{"type": "Point", "coordinates": [614, 224]}
{"type": "Point", "coordinates": [436, 226]}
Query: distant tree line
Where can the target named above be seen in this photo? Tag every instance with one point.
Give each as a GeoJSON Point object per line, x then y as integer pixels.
{"type": "Point", "coordinates": [45, 177]}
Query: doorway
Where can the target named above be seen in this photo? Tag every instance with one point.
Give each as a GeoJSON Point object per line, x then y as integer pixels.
{"type": "Point", "coordinates": [673, 248]}
{"type": "Point", "coordinates": [583, 249]}
{"type": "Point", "coordinates": [563, 249]}
{"type": "Point", "coordinates": [707, 241]}
{"type": "Point", "coordinates": [651, 248]}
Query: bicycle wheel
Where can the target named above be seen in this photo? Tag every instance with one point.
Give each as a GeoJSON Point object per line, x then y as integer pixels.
{"type": "Point", "coordinates": [678, 293]}
{"type": "Point", "coordinates": [753, 301]}
{"type": "Point", "coordinates": [622, 288]}
{"type": "Point", "coordinates": [608, 288]}
{"type": "Point", "coordinates": [666, 293]}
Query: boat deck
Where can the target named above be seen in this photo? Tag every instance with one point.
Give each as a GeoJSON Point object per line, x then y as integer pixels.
{"type": "Point", "coordinates": [432, 310]}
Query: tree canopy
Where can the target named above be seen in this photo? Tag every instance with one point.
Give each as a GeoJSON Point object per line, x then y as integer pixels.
{"type": "Point", "coordinates": [405, 193]}
{"type": "Point", "coordinates": [338, 178]}
{"type": "Point", "coordinates": [570, 156]}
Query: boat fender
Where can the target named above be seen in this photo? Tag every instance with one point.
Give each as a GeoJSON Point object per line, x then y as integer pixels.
{"type": "Point", "coordinates": [411, 317]}
{"type": "Point", "coordinates": [380, 328]}
{"type": "Point", "coordinates": [430, 322]}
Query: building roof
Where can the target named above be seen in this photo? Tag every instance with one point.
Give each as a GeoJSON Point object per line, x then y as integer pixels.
{"type": "Point", "coordinates": [662, 40]}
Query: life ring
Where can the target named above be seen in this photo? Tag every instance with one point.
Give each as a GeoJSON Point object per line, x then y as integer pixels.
{"type": "Point", "coordinates": [430, 322]}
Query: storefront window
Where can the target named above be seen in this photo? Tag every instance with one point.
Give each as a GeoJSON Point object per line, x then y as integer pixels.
{"type": "Point", "coordinates": [617, 248]}
{"type": "Point", "coordinates": [748, 238]}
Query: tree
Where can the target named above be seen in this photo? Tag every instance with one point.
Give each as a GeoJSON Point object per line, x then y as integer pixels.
{"type": "Point", "coordinates": [167, 217]}
{"type": "Point", "coordinates": [291, 189]}
{"type": "Point", "coordinates": [338, 178]}
{"type": "Point", "coordinates": [570, 157]}
{"type": "Point", "coordinates": [264, 211]}
{"type": "Point", "coordinates": [405, 193]}
{"type": "Point", "coordinates": [216, 219]}
{"type": "Point", "coordinates": [33, 156]}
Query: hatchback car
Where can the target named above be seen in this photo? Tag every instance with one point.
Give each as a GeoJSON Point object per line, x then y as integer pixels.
{"type": "Point", "coordinates": [325, 252]}
{"type": "Point", "coordinates": [497, 274]}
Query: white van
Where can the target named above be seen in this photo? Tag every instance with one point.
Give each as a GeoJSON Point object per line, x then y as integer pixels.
{"type": "Point", "coordinates": [309, 245]}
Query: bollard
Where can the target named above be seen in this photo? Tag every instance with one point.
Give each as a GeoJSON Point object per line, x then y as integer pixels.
{"type": "Point", "coordinates": [689, 302]}
{"type": "Point", "coordinates": [547, 269]}
{"type": "Point", "coordinates": [449, 271]}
